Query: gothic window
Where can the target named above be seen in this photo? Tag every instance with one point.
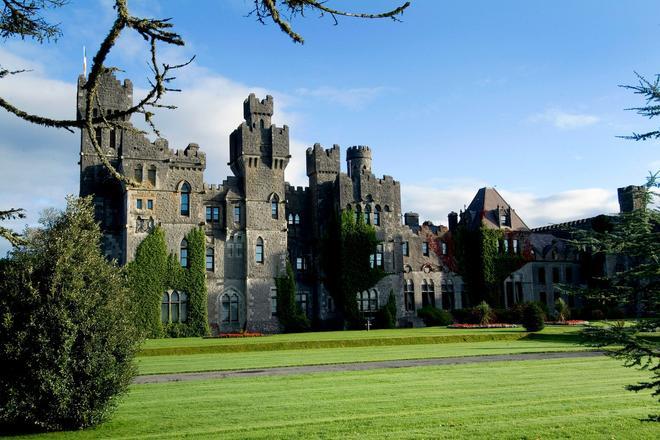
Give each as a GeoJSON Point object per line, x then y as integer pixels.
{"type": "Point", "coordinates": [447, 291]}
{"type": "Point", "coordinates": [404, 249]}
{"type": "Point", "coordinates": [425, 248]}
{"type": "Point", "coordinates": [238, 245]}
{"type": "Point", "coordinates": [409, 295]}
{"type": "Point", "coordinates": [183, 256]}
{"type": "Point", "coordinates": [367, 214]}
{"type": "Point", "coordinates": [296, 219]}
{"type": "Point", "coordinates": [174, 307]}
{"type": "Point", "coordinates": [151, 175]}
{"type": "Point", "coordinates": [377, 216]}
{"type": "Point", "coordinates": [428, 294]}
{"type": "Point", "coordinates": [138, 173]}
{"type": "Point", "coordinates": [185, 199]}
{"type": "Point", "coordinates": [301, 300]}
{"type": "Point", "coordinates": [259, 251]}
{"type": "Point", "coordinates": [290, 219]}
{"type": "Point", "coordinates": [210, 259]}
{"type": "Point", "coordinates": [229, 308]}
{"type": "Point", "coordinates": [274, 207]}
{"type": "Point", "coordinates": [368, 301]}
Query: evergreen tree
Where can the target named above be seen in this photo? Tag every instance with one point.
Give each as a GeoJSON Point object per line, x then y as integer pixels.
{"type": "Point", "coordinates": [66, 337]}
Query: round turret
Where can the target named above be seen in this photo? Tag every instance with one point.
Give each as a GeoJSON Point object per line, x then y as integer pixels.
{"type": "Point", "coordinates": [358, 159]}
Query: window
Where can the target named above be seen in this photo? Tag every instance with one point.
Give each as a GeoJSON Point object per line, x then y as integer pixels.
{"type": "Point", "coordinates": [99, 136]}
{"type": "Point", "coordinates": [357, 214]}
{"type": "Point", "coordinates": [138, 173]}
{"type": "Point", "coordinates": [404, 249]}
{"type": "Point", "coordinates": [212, 214]}
{"type": "Point", "coordinates": [331, 305]}
{"type": "Point", "coordinates": [296, 219]}
{"type": "Point", "coordinates": [274, 207]}
{"type": "Point", "coordinates": [409, 295]}
{"type": "Point", "coordinates": [184, 253]}
{"type": "Point", "coordinates": [229, 308]}
{"type": "Point", "coordinates": [301, 301]}
{"type": "Point", "coordinates": [237, 213]}
{"type": "Point", "coordinates": [150, 204]}
{"type": "Point", "coordinates": [543, 297]}
{"type": "Point", "coordinates": [367, 215]}
{"type": "Point", "coordinates": [515, 246]}
{"type": "Point", "coordinates": [174, 307]}
{"type": "Point", "coordinates": [301, 263]}
{"type": "Point", "coordinates": [151, 174]}
{"type": "Point", "coordinates": [238, 245]}
{"type": "Point", "coordinates": [502, 219]}
{"type": "Point", "coordinates": [425, 248]}
{"type": "Point", "coordinates": [376, 260]}
{"type": "Point", "coordinates": [368, 301]}
{"type": "Point", "coordinates": [259, 251]}
{"type": "Point", "coordinates": [505, 245]}
{"type": "Point", "coordinates": [185, 199]}
{"type": "Point", "coordinates": [428, 294]}
{"type": "Point", "coordinates": [210, 259]}
{"type": "Point", "coordinates": [569, 274]}
{"type": "Point", "coordinates": [541, 275]}
{"type": "Point", "coordinates": [447, 291]}
{"type": "Point", "coordinates": [290, 219]}
{"type": "Point", "coordinates": [138, 203]}
{"type": "Point", "coordinates": [555, 274]}
{"type": "Point", "coordinates": [113, 138]}
{"type": "Point", "coordinates": [273, 301]}
{"type": "Point", "coordinates": [377, 216]}
{"type": "Point", "coordinates": [443, 246]}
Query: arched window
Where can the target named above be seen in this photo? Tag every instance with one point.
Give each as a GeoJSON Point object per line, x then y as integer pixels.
{"type": "Point", "coordinates": [409, 295]}
{"type": "Point", "coordinates": [229, 308]}
{"type": "Point", "coordinates": [185, 199]}
{"type": "Point", "coordinates": [183, 255]}
{"type": "Point", "coordinates": [367, 214]}
{"type": "Point", "coordinates": [151, 175]}
{"type": "Point", "coordinates": [138, 173]}
{"type": "Point", "coordinates": [210, 259]}
{"type": "Point", "coordinates": [259, 251]}
{"type": "Point", "coordinates": [296, 219]}
{"type": "Point", "coordinates": [377, 216]}
{"type": "Point", "coordinates": [274, 206]}
{"type": "Point", "coordinates": [174, 307]}
{"type": "Point", "coordinates": [368, 301]}
{"type": "Point", "coordinates": [290, 219]}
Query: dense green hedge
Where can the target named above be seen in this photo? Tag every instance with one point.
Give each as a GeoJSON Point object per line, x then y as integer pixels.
{"type": "Point", "coordinates": [291, 317]}
{"type": "Point", "coordinates": [154, 271]}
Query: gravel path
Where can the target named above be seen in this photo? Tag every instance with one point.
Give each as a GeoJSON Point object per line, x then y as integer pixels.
{"type": "Point", "coordinates": [360, 366]}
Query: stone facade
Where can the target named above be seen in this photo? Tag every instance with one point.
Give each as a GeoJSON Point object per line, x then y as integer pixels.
{"type": "Point", "coordinates": [254, 221]}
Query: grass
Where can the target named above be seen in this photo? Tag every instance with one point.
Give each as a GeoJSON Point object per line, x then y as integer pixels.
{"type": "Point", "coordinates": [433, 335]}
{"type": "Point", "coordinates": [282, 358]}
{"type": "Point", "coordinates": [568, 398]}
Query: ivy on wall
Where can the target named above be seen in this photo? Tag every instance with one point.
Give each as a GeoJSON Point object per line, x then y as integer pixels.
{"type": "Point", "coordinates": [153, 272]}
{"type": "Point", "coordinates": [345, 260]}
{"type": "Point", "coordinates": [291, 317]}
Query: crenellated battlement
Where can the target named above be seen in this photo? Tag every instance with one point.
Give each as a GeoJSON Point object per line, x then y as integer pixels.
{"type": "Point", "coordinates": [323, 161]}
{"type": "Point", "coordinates": [255, 110]}
{"type": "Point", "coordinates": [296, 190]}
{"type": "Point", "coordinates": [358, 152]}
{"type": "Point", "coordinates": [213, 187]}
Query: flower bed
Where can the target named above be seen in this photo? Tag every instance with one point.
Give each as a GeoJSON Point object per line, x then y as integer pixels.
{"type": "Point", "coordinates": [482, 326]}
{"type": "Point", "coordinates": [568, 322]}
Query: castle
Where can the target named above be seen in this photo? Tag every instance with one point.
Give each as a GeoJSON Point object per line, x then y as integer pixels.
{"type": "Point", "coordinates": [255, 221]}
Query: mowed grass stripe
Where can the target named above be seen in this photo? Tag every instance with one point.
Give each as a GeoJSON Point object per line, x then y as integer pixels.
{"type": "Point", "coordinates": [568, 398]}
{"type": "Point", "coordinates": [329, 343]}
{"type": "Point", "coordinates": [286, 358]}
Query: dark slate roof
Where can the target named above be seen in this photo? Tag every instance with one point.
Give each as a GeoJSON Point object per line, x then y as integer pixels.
{"type": "Point", "coordinates": [483, 210]}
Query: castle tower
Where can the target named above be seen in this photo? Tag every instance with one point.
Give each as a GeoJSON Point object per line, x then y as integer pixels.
{"type": "Point", "coordinates": [112, 97]}
{"type": "Point", "coordinates": [631, 198]}
{"type": "Point", "coordinates": [358, 160]}
{"type": "Point", "coordinates": [259, 154]}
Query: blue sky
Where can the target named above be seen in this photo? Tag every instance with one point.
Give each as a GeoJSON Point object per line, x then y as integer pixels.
{"type": "Point", "coordinates": [514, 94]}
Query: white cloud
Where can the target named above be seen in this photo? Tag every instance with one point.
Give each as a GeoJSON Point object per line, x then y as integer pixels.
{"type": "Point", "coordinates": [351, 98]}
{"type": "Point", "coordinates": [433, 202]}
{"type": "Point", "coordinates": [565, 120]}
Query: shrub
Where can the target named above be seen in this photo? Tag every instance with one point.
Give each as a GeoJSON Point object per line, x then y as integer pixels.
{"type": "Point", "coordinates": [484, 312]}
{"type": "Point", "coordinates": [512, 315]}
{"type": "Point", "coordinates": [386, 315]}
{"type": "Point", "coordinates": [561, 310]}
{"type": "Point", "coordinates": [466, 316]}
{"type": "Point", "coordinates": [597, 315]}
{"type": "Point", "coordinates": [533, 318]}
{"type": "Point", "coordinates": [292, 318]}
{"type": "Point", "coordinates": [433, 316]}
{"type": "Point", "coordinates": [66, 338]}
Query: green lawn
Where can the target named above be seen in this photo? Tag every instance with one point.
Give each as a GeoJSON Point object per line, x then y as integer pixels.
{"type": "Point", "coordinates": [567, 398]}
{"type": "Point", "coordinates": [282, 358]}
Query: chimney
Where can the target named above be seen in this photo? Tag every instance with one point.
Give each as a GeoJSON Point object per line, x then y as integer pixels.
{"type": "Point", "coordinates": [411, 219]}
